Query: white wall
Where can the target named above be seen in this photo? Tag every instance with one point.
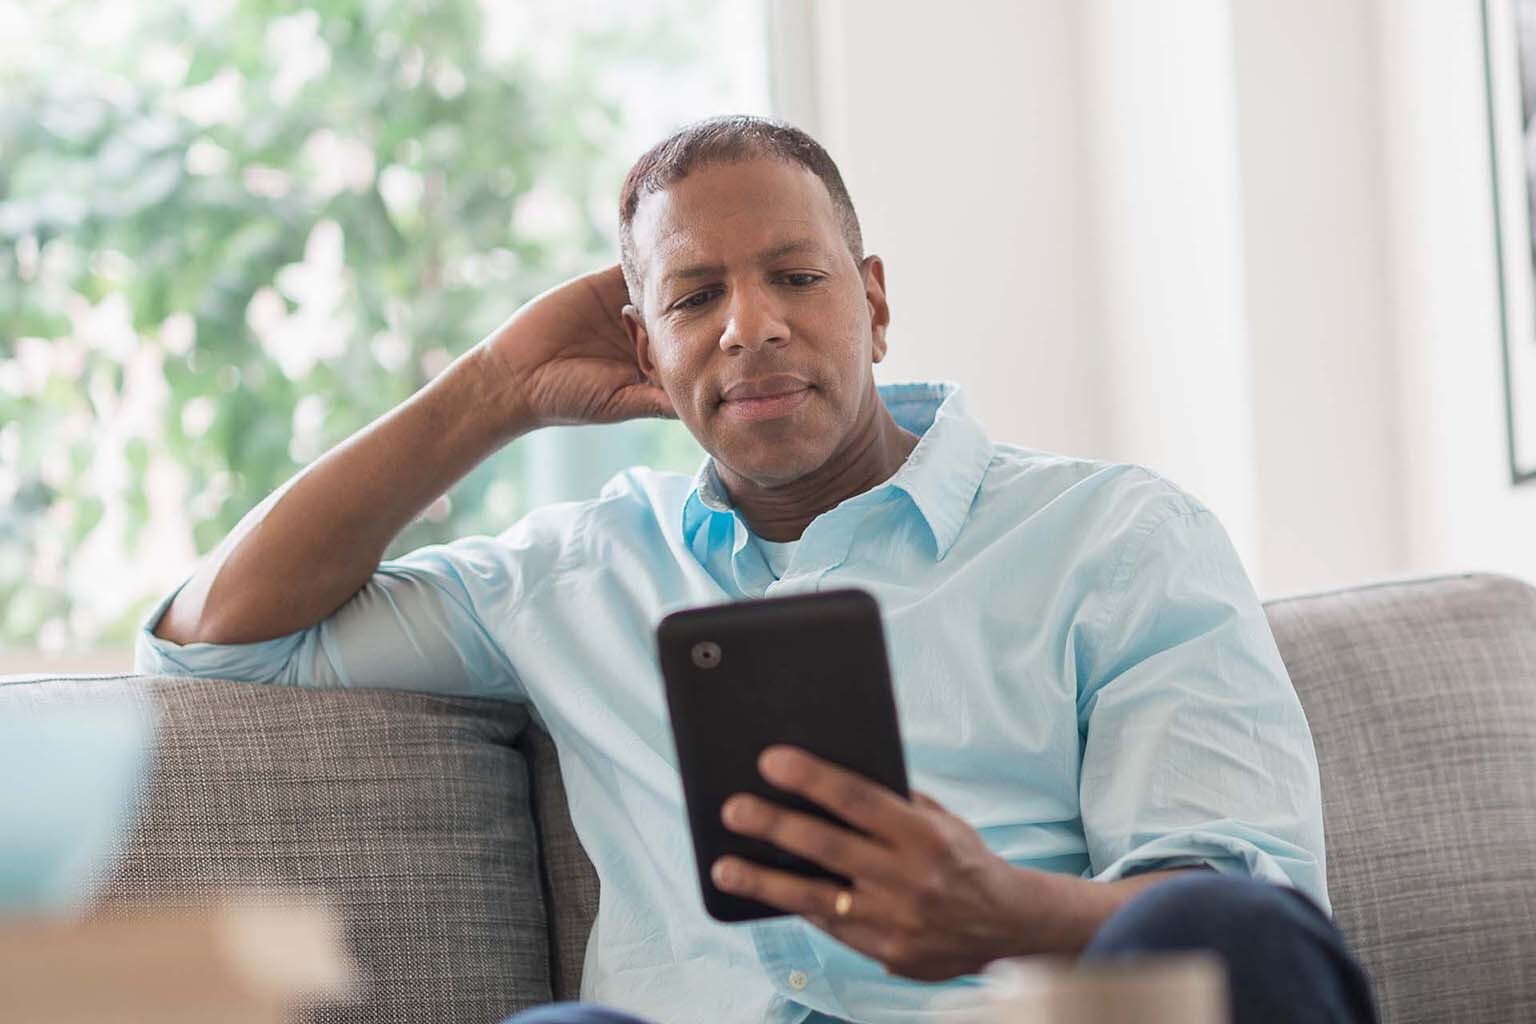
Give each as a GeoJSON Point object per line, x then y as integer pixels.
{"type": "Point", "coordinates": [1326, 451]}
{"type": "Point", "coordinates": [1164, 273]}
{"type": "Point", "coordinates": [1246, 243]}
{"type": "Point", "coordinates": [1461, 512]}
{"type": "Point", "coordinates": [957, 137]}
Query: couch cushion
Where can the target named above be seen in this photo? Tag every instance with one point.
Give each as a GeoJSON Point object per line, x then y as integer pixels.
{"type": "Point", "coordinates": [1421, 696]}
{"type": "Point", "coordinates": [570, 881]}
{"type": "Point", "coordinates": [407, 813]}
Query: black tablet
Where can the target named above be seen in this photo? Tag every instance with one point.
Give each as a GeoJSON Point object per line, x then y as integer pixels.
{"type": "Point", "coordinates": [808, 670]}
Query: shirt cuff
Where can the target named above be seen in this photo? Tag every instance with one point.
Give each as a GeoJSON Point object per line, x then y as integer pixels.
{"type": "Point", "coordinates": [1227, 854]}
{"type": "Point", "coordinates": [261, 662]}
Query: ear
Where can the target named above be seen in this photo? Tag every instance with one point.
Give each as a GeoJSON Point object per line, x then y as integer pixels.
{"type": "Point", "coordinates": [872, 269]}
{"type": "Point", "coordinates": [634, 326]}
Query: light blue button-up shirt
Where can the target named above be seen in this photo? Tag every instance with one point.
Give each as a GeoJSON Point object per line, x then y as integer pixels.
{"type": "Point", "coordinates": [1081, 668]}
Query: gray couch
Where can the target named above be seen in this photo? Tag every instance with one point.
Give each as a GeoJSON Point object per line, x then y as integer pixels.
{"type": "Point", "coordinates": [438, 827]}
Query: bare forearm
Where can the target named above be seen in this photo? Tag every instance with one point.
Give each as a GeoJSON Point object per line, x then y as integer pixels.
{"type": "Point", "coordinates": [1068, 910]}
{"type": "Point", "coordinates": [306, 549]}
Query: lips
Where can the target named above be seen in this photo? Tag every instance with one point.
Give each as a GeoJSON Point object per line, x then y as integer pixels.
{"type": "Point", "coordinates": [764, 398]}
{"type": "Point", "coordinates": [771, 386]}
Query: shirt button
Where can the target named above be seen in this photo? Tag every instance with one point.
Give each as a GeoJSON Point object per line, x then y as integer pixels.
{"type": "Point", "coordinates": [797, 980]}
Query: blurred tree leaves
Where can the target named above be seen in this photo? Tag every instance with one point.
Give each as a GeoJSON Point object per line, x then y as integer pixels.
{"type": "Point", "coordinates": [233, 233]}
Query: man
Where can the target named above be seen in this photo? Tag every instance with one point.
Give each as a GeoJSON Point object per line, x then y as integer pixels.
{"type": "Point", "coordinates": [1106, 751]}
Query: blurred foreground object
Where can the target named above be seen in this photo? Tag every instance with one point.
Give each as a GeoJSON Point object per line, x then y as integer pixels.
{"type": "Point", "coordinates": [1165, 988]}
{"type": "Point", "coordinates": [72, 781]}
{"type": "Point", "coordinates": [1176, 988]}
{"type": "Point", "coordinates": [237, 965]}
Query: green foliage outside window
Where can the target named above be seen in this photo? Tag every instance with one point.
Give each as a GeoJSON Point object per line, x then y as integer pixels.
{"type": "Point", "coordinates": [232, 235]}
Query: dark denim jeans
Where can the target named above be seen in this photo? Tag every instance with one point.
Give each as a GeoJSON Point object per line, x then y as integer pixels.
{"type": "Point", "coordinates": [1286, 962]}
{"type": "Point", "coordinates": [1285, 959]}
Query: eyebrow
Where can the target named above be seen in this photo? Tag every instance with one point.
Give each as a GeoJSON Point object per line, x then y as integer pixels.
{"type": "Point", "coordinates": [766, 256]}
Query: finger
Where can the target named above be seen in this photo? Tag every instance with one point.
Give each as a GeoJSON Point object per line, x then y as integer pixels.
{"type": "Point", "coordinates": [608, 286]}
{"type": "Point", "coordinates": [793, 893]}
{"type": "Point", "coordinates": [835, 848]}
{"type": "Point", "coordinates": [857, 800]}
{"type": "Point", "coordinates": [924, 800]}
{"type": "Point", "coordinates": [643, 400]}
{"type": "Point", "coordinates": [658, 404]}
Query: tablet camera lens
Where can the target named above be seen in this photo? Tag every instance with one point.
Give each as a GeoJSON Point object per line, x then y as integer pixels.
{"type": "Point", "coordinates": [706, 654]}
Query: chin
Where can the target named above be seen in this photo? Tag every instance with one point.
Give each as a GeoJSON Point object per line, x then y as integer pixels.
{"type": "Point", "coordinates": [771, 467]}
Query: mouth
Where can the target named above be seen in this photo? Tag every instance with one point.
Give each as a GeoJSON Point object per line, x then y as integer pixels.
{"type": "Point", "coordinates": [765, 398]}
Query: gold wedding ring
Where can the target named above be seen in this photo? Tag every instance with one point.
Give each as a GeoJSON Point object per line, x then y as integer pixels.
{"type": "Point", "coordinates": [843, 904]}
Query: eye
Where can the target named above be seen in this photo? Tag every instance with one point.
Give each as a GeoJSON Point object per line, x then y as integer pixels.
{"type": "Point", "coordinates": [696, 300]}
{"type": "Point", "coordinates": [802, 280]}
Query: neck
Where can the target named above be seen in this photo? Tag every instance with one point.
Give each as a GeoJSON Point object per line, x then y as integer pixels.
{"type": "Point", "coordinates": [781, 513]}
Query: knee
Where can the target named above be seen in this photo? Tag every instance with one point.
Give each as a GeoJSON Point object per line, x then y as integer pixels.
{"type": "Point", "coordinates": [1285, 960]}
{"type": "Point", "coordinates": [1205, 910]}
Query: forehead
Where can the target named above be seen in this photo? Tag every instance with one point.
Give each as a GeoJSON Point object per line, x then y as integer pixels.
{"type": "Point", "coordinates": [721, 209]}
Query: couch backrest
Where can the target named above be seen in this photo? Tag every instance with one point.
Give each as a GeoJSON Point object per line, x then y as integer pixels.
{"type": "Point", "coordinates": [408, 814]}
{"type": "Point", "coordinates": [1421, 697]}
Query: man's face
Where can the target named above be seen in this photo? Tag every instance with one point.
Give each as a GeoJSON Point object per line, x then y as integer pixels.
{"type": "Point", "coordinates": [757, 321]}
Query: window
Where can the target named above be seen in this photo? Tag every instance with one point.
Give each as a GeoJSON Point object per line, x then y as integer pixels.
{"type": "Point", "coordinates": [228, 239]}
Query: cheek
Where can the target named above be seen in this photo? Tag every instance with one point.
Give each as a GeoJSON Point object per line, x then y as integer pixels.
{"type": "Point", "coordinates": [678, 369]}
{"type": "Point", "coordinates": [668, 356]}
{"type": "Point", "coordinates": [847, 323]}
{"type": "Point", "coordinates": [848, 352]}
{"type": "Point", "coordinates": [693, 344]}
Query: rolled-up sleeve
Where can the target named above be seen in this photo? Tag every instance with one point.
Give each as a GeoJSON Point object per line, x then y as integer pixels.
{"type": "Point", "coordinates": [1196, 749]}
{"type": "Point", "coordinates": [422, 622]}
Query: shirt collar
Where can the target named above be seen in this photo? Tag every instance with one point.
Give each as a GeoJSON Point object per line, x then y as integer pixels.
{"type": "Point", "coordinates": [941, 475]}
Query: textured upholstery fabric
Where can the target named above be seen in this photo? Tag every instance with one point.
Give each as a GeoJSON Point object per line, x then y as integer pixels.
{"type": "Point", "coordinates": [411, 812]}
{"type": "Point", "coordinates": [1421, 696]}
{"type": "Point", "coordinates": [406, 813]}
{"type": "Point", "coordinates": [570, 883]}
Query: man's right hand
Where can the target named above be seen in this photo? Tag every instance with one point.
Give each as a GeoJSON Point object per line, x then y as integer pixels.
{"type": "Point", "coordinates": [304, 551]}
{"type": "Point", "coordinates": [567, 358]}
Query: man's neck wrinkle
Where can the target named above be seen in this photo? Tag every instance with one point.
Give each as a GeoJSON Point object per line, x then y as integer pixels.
{"type": "Point", "coordinates": [782, 514]}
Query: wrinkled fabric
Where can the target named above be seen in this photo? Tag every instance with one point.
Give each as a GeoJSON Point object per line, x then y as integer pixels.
{"type": "Point", "coordinates": [1081, 667]}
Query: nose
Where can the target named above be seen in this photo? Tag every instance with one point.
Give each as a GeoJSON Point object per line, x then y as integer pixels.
{"type": "Point", "coordinates": [752, 321]}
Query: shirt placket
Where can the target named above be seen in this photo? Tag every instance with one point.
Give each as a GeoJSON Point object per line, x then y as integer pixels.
{"type": "Point", "coordinates": [789, 959]}
{"type": "Point", "coordinates": [794, 969]}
